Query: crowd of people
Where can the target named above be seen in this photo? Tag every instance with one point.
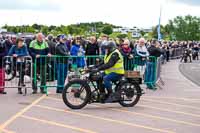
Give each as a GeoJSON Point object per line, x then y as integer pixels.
{"type": "Point", "coordinates": [66, 46]}
{"type": "Point", "coordinates": [92, 45]}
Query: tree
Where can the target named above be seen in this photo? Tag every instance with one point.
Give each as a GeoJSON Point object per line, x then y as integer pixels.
{"type": "Point", "coordinates": [30, 29]}
{"type": "Point", "coordinates": [74, 29]}
{"type": "Point", "coordinates": [107, 30]}
{"type": "Point", "coordinates": [155, 32]}
{"type": "Point", "coordinates": [121, 36]}
{"type": "Point", "coordinates": [36, 27]}
{"type": "Point", "coordinates": [184, 28]}
{"type": "Point", "coordinates": [45, 30]}
{"type": "Point", "coordinates": [142, 33]}
{"type": "Point", "coordinates": [51, 28]}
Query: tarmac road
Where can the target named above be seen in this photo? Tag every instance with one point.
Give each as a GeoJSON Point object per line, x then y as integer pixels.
{"type": "Point", "coordinates": [173, 109]}
{"type": "Point", "coordinates": [191, 71]}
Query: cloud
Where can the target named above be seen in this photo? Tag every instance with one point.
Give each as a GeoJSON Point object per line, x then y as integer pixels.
{"type": "Point", "coordinates": [128, 13]}
{"type": "Point", "coordinates": [190, 2]}
{"type": "Point", "coordinates": [36, 5]}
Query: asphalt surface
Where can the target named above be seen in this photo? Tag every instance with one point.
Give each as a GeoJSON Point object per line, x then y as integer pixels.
{"type": "Point", "coordinates": [191, 71]}
{"type": "Point", "coordinates": [173, 109]}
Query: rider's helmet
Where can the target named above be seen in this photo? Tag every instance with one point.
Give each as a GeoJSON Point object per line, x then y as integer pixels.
{"type": "Point", "coordinates": [110, 45]}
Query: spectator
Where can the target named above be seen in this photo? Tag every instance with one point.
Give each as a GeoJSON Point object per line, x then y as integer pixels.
{"type": "Point", "coordinates": [92, 49]}
{"type": "Point", "coordinates": [39, 47]}
{"type": "Point", "coordinates": [27, 42]}
{"type": "Point", "coordinates": [77, 50]}
{"type": "Point", "coordinates": [2, 72]}
{"type": "Point", "coordinates": [166, 48]}
{"type": "Point", "coordinates": [154, 49]}
{"type": "Point", "coordinates": [184, 44]}
{"type": "Point", "coordinates": [83, 42]}
{"type": "Point", "coordinates": [68, 43]}
{"type": "Point", "coordinates": [150, 70]}
{"type": "Point", "coordinates": [141, 52]}
{"type": "Point", "coordinates": [51, 44]}
{"type": "Point", "coordinates": [126, 52]}
{"type": "Point", "coordinates": [104, 40]}
{"type": "Point", "coordinates": [51, 61]}
{"type": "Point", "coordinates": [141, 49]}
{"type": "Point", "coordinates": [61, 50]}
{"type": "Point", "coordinates": [8, 43]}
{"type": "Point", "coordinates": [18, 51]}
{"type": "Point", "coordinates": [14, 40]}
{"type": "Point", "coordinates": [132, 45]}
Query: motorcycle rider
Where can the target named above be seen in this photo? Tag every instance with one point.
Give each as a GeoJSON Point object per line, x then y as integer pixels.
{"type": "Point", "coordinates": [195, 52]}
{"type": "Point", "coordinates": [113, 66]}
{"type": "Point", "coordinates": [186, 54]}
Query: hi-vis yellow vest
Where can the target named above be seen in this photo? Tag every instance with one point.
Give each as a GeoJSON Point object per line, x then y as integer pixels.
{"type": "Point", "coordinates": [118, 67]}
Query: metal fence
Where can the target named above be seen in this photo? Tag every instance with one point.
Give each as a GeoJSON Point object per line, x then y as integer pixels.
{"type": "Point", "coordinates": [159, 81]}
{"type": "Point", "coordinates": [55, 71]}
{"type": "Point", "coordinates": [16, 72]}
{"type": "Point", "coordinates": [176, 53]}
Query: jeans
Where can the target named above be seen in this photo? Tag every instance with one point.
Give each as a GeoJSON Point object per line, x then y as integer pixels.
{"type": "Point", "coordinates": [21, 69]}
{"type": "Point", "coordinates": [61, 76]}
{"type": "Point", "coordinates": [40, 69]}
{"type": "Point", "coordinates": [108, 79]}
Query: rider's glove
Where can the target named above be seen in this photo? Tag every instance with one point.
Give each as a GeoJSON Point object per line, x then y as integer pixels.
{"type": "Point", "coordinates": [95, 70]}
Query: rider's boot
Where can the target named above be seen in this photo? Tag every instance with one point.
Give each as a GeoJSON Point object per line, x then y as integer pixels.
{"type": "Point", "coordinates": [111, 97]}
{"type": "Point", "coordinates": [102, 97]}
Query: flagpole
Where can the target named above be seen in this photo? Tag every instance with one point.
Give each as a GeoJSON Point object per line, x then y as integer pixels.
{"type": "Point", "coordinates": [159, 28]}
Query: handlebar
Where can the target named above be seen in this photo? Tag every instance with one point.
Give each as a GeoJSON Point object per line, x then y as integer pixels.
{"type": "Point", "coordinates": [87, 70]}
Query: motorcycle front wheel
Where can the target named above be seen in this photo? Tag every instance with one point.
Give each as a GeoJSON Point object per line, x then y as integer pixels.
{"type": "Point", "coordinates": [76, 94]}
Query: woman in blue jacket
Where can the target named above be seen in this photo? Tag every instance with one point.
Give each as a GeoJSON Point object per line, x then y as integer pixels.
{"type": "Point", "coordinates": [18, 52]}
{"type": "Point", "coordinates": [77, 50]}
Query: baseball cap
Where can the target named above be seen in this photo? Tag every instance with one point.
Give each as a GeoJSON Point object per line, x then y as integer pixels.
{"type": "Point", "coordinates": [63, 37]}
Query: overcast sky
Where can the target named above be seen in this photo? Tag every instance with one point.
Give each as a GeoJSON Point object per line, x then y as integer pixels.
{"type": "Point", "coordinates": [129, 13]}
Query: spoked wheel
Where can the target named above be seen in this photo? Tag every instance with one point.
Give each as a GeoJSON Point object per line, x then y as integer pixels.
{"type": "Point", "coordinates": [130, 94]}
{"type": "Point", "coordinates": [76, 94]}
